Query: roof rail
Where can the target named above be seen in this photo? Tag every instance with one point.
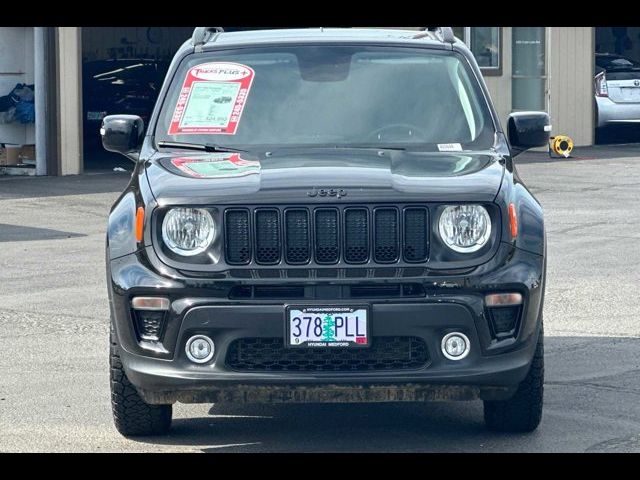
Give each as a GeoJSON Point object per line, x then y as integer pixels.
{"type": "Point", "coordinates": [445, 33]}
{"type": "Point", "coordinates": [202, 34]}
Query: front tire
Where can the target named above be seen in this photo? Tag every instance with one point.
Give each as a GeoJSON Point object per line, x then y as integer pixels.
{"type": "Point", "coordinates": [131, 414]}
{"type": "Point", "coordinates": [523, 411]}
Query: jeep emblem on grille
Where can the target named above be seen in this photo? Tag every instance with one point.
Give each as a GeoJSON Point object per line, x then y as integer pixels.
{"type": "Point", "coordinates": [327, 192]}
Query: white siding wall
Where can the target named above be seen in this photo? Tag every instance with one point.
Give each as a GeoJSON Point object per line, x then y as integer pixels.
{"type": "Point", "coordinates": [69, 100]}
{"type": "Point", "coordinates": [571, 72]}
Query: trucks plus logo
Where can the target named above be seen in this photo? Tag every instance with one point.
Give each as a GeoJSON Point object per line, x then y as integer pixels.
{"type": "Point", "coordinates": [221, 72]}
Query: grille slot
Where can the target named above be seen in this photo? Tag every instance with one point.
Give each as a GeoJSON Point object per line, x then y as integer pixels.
{"type": "Point", "coordinates": [297, 237]}
{"type": "Point", "coordinates": [270, 355]}
{"type": "Point", "coordinates": [320, 235]}
{"type": "Point", "coordinates": [356, 235]}
{"type": "Point", "coordinates": [386, 235]}
{"type": "Point", "coordinates": [327, 236]}
{"type": "Point", "coordinates": [416, 234]}
{"type": "Point", "coordinates": [237, 237]}
{"type": "Point", "coordinates": [267, 236]}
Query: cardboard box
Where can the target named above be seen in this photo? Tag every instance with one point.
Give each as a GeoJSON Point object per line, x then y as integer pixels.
{"type": "Point", "coordinates": [11, 155]}
{"type": "Point", "coordinates": [28, 152]}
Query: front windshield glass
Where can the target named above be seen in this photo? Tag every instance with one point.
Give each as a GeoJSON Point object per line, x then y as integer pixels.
{"type": "Point", "coordinates": [326, 96]}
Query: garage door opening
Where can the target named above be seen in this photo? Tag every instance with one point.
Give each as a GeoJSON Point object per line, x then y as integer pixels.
{"type": "Point", "coordinates": [122, 71]}
{"type": "Point", "coordinates": [617, 85]}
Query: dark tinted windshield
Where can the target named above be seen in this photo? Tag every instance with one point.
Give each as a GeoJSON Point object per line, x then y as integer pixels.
{"type": "Point", "coordinates": [613, 62]}
{"type": "Point", "coordinates": [326, 96]}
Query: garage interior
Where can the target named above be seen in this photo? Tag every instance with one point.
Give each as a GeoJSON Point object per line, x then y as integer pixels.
{"type": "Point", "coordinates": [122, 71]}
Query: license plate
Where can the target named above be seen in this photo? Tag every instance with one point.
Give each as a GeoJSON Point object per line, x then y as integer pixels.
{"type": "Point", "coordinates": [327, 326]}
{"type": "Point", "coordinates": [630, 94]}
{"type": "Point", "coordinates": [96, 115]}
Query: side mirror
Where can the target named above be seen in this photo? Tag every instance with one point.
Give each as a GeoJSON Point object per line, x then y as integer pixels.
{"type": "Point", "coordinates": [122, 134]}
{"type": "Point", "coordinates": [527, 130]}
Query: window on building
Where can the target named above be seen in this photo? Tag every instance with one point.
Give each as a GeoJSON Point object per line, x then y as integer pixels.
{"type": "Point", "coordinates": [486, 45]}
{"type": "Point", "coordinates": [529, 70]}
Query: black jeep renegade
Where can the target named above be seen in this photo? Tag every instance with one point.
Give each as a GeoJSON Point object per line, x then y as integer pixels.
{"type": "Point", "coordinates": [325, 215]}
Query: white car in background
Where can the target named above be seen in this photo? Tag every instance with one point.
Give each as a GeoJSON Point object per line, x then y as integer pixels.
{"type": "Point", "coordinates": [617, 90]}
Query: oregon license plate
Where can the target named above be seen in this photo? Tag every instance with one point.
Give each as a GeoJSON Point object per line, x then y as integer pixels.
{"type": "Point", "coordinates": [327, 326]}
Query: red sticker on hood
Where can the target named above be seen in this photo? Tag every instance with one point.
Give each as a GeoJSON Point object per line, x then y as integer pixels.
{"type": "Point", "coordinates": [212, 99]}
{"type": "Point", "coordinates": [217, 166]}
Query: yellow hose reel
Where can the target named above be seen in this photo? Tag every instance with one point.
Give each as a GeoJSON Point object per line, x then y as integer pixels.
{"type": "Point", "coordinates": [561, 145]}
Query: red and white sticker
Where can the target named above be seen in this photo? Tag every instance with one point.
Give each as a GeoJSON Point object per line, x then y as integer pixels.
{"type": "Point", "coordinates": [212, 99]}
{"type": "Point", "coordinates": [217, 166]}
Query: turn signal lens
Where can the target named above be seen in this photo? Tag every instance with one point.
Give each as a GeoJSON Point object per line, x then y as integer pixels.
{"type": "Point", "coordinates": [140, 224]}
{"type": "Point", "coordinates": [503, 299]}
{"type": "Point", "coordinates": [150, 303]}
{"type": "Point", "coordinates": [513, 220]}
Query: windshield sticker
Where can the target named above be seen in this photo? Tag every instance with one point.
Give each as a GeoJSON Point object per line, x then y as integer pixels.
{"type": "Point", "coordinates": [212, 99]}
{"type": "Point", "coordinates": [219, 166]}
{"type": "Point", "coordinates": [449, 147]}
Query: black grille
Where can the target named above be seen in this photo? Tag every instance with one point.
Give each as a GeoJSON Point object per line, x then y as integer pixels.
{"type": "Point", "coordinates": [267, 237]}
{"type": "Point", "coordinates": [327, 247]}
{"type": "Point", "coordinates": [504, 319]}
{"type": "Point", "coordinates": [386, 235]}
{"type": "Point", "coordinates": [416, 234]}
{"type": "Point", "coordinates": [270, 355]}
{"type": "Point", "coordinates": [149, 324]}
{"type": "Point", "coordinates": [237, 237]}
{"type": "Point", "coordinates": [297, 237]}
{"type": "Point", "coordinates": [302, 235]}
{"type": "Point", "coordinates": [356, 235]}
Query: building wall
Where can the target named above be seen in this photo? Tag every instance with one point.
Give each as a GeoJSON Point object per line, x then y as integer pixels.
{"type": "Point", "coordinates": [571, 70]}
{"type": "Point", "coordinates": [16, 66]}
{"type": "Point", "coordinates": [500, 86]}
{"type": "Point", "coordinates": [68, 72]}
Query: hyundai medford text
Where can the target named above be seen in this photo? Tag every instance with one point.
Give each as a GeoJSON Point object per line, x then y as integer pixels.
{"type": "Point", "coordinates": [325, 215]}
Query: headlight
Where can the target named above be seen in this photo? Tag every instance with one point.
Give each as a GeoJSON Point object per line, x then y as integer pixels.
{"type": "Point", "coordinates": [188, 231]}
{"type": "Point", "coordinates": [465, 228]}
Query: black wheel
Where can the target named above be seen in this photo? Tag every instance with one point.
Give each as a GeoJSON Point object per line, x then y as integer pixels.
{"type": "Point", "coordinates": [523, 411]}
{"type": "Point", "coordinates": [131, 414]}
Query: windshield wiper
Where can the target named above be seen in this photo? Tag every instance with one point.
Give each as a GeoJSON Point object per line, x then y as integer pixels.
{"type": "Point", "coordinates": [205, 147]}
{"type": "Point", "coordinates": [371, 147]}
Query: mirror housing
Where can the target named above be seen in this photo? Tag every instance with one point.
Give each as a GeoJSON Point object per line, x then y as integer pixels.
{"type": "Point", "coordinates": [123, 134]}
{"type": "Point", "coordinates": [527, 130]}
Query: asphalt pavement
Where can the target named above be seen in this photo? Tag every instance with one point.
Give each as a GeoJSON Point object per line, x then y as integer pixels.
{"type": "Point", "coordinates": [54, 389]}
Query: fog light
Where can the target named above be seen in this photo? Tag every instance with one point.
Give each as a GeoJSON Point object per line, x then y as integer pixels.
{"type": "Point", "coordinates": [200, 349]}
{"type": "Point", "coordinates": [455, 346]}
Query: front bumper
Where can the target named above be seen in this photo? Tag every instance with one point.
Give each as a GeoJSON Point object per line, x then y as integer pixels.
{"type": "Point", "coordinates": [163, 374]}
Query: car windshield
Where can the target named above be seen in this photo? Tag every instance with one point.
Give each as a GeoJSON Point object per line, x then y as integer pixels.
{"type": "Point", "coordinates": [610, 62]}
{"type": "Point", "coordinates": [327, 96]}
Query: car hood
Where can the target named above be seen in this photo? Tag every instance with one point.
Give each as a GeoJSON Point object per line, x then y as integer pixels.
{"type": "Point", "coordinates": [347, 176]}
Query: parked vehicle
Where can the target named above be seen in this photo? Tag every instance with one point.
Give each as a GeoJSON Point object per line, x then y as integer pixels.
{"type": "Point", "coordinates": [128, 86]}
{"type": "Point", "coordinates": [617, 90]}
{"type": "Point", "coordinates": [350, 227]}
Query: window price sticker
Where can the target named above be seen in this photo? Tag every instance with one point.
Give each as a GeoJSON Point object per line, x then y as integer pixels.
{"type": "Point", "coordinates": [212, 99]}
